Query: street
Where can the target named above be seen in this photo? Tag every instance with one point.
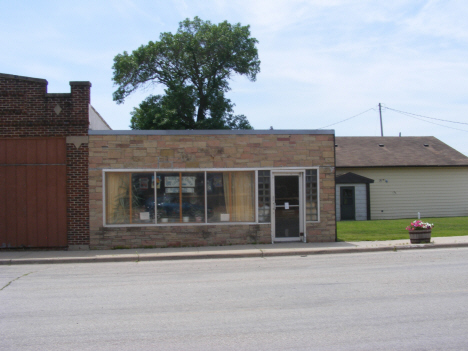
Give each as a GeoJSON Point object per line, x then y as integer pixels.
{"type": "Point", "coordinates": [402, 300]}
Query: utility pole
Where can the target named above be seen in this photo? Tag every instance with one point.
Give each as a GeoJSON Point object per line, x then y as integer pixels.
{"type": "Point", "coordinates": [381, 127]}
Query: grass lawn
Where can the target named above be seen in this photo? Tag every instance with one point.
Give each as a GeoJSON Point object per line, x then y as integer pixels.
{"type": "Point", "coordinates": [393, 229]}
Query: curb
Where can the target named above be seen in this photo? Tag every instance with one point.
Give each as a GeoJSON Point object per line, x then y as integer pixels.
{"type": "Point", "coordinates": [257, 254]}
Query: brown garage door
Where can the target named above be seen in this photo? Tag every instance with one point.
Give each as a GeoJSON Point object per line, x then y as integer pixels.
{"type": "Point", "coordinates": [33, 200]}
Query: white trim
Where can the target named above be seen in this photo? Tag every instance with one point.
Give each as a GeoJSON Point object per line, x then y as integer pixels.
{"type": "Point", "coordinates": [304, 208]}
{"type": "Point", "coordinates": [272, 208]}
{"type": "Point", "coordinates": [302, 223]}
{"type": "Point", "coordinates": [104, 192]}
{"type": "Point", "coordinates": [256, 196]}
{"type": "Point", "coordinates": [188, 170]}
{"type": "Point", "coordinates": [189, 224]}
{"type": "Point", "coordinates": [318, 196]}
{"type": "Point", "coordinates": [206, 197]}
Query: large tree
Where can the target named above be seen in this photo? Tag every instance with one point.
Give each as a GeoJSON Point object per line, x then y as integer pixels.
{"type": "Point", "coordinates": [195, 66]}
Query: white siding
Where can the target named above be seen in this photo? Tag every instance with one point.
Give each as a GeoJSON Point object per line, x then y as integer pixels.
{"type": "Point", "coordinates": [405, 191]}
{"type": "Point", "coordinates": [360, 201]}
{"type": "Point", "coordinates": [96, 122]}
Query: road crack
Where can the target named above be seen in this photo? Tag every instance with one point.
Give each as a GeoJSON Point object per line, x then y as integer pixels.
{"type": "Point", "coordinates": [21, 276]}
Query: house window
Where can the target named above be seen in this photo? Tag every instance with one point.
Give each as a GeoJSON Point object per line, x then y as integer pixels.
{"type": "Point", "coordinates": [126, 197]}
{"type": "Point", "coordinates": [311, 195]}
{"type": "Point", "coordinates": [264, 196]}
{"type": "Point", "coordinates": [180, 197]}
{"type": "Point", "coordinates": [231, 196]}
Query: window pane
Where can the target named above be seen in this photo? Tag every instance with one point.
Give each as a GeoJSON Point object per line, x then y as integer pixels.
{"type": "Point", "coordinates": [193, 197]}
{"type": "Point", "coordinates": [127, 198]}
{"type": "Point", "coordinates": [231, 197]}
{"type": "Point", "coordinates": [217, 201]}
{"type": "Point", "coordinates": [167, 197]}
{"type": "Point", "coordinates": [311, 195]}
{"type": "Point", "coordinates": [117, 198]}
{"type": "Point", "coordinates": [142, 192]}
{"type": "Point", "coordinates": [264, 196]}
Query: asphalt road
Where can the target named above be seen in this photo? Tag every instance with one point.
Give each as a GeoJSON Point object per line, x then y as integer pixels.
{"type": "Point", "coordinates": [404, 300]}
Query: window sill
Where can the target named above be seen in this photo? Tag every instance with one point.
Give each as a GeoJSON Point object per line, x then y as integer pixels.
{"type": "Point", "coordinates": [179, 224]}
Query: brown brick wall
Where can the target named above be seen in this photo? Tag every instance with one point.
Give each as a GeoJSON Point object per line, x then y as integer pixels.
{"type": "Point", "coordinates": [207, 151]}
{"type": "Point", "coordinates": [27, 110]}
{"type": "Point", "coordinates": [166, 236]}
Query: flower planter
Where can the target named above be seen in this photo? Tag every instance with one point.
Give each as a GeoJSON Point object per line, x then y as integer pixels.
{"type": "Point", "coordinates": [421, 236]}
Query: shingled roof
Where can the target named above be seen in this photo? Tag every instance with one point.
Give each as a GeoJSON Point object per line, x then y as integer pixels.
{"type": "Point", "coordinates": [395, 152]}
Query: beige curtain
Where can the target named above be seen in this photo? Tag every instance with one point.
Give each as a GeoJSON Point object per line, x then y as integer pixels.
{"type": "Point", "coordinates": [243, 197]}
{"type": "Point", "coordinates": [117, 196]}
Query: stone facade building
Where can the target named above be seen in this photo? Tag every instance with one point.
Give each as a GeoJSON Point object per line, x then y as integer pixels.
{"type": "Point", "coordinates": [192, 188]}
{"type": "Point", "coordinates": [68, 181]}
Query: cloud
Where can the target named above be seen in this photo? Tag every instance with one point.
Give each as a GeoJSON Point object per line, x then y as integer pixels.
{"type": "Point", "coordinates": [322, 61]}
{"type": "Point", "coordinates": [444, 19]}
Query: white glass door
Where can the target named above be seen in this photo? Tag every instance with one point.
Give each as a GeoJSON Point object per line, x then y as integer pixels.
{"type": "Point", "coordinates": [288, 207]}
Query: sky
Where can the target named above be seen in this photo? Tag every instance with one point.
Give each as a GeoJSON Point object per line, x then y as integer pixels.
{"type": "Point", "coordinates": [324, 63]}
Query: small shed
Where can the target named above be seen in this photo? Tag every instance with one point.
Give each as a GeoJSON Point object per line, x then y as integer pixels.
{"type": "Point", "coordinates": [352, 197]}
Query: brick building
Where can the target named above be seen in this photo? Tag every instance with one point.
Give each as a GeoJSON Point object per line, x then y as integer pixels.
{"type": "Point", "coordinates": [65, 183]}
{"type": "Point", "coordinates": [44, 198]}
{"type": "Point", "coordinates": [178, 188]}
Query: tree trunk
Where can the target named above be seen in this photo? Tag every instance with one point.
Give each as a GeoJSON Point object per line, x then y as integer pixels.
{"type": "Point", "coordinates": [201, 109]}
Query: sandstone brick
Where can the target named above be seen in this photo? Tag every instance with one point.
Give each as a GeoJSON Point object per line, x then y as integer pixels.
{"type": "Point", "coordinates": [192, 164]}
{"type": "Point", "coordinates": [167, 152]}
{"type": "Point", "coordinates": [223, 151]}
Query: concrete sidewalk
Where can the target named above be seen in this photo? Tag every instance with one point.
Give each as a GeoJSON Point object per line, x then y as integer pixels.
{"type": "Point", "coordinates": [235, 251]}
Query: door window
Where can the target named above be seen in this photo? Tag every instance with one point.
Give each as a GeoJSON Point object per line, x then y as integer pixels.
{"type": "Point", "coordinates": [287, 212]}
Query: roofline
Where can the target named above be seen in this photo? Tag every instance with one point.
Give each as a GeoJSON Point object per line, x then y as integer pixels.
{"type": "Point", "coordinates": [399, 166]}
{"type": "Point", "coordinates": [100, 116]}
{"type": "Point", "coordinates": [362, 179]}
{"type": "Point", "coordinates": [390, 136]}
{"type": "Point", "coordinates": [30, 79]}
{"type": "Point", "coordinates": [212, 132]}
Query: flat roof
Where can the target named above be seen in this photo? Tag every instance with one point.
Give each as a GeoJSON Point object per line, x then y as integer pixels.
{"type": "Point", "coordinates": [212, 132]}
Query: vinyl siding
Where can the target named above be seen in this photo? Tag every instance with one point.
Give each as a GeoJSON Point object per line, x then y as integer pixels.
{"type": "Point", "coordinates": [360, 201]}
{"type": "Point", "coordinates": [405, 191]}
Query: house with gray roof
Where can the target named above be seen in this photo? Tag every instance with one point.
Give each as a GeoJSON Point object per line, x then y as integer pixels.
{"type": "Point", "coordinates": [397, 177]}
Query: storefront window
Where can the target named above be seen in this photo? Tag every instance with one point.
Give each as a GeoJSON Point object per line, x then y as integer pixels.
{"type": "Point", "coordinates": [127, 195]}
{"type": "Point", "coordinates": [311, 195]}
{"type": "Point", "coordinates": [231, 196]}
{"type": "Point", "coordinates": [264, 196]}
{"type": "Point", "coordinates": [180, 197]}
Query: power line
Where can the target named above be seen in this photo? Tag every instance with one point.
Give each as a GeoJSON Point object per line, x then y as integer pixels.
{"type": "Point", "coordinates": [438, 124]}
{"type": "Point", "coordinates": [372, 108]}
{"type": "Point", "coordinates": [409, 114]}
{"type": "Point", "coordinates": [414, 114]}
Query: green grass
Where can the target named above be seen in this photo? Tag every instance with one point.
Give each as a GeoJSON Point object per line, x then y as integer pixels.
{"type": "Point", "coordinates": [393, 229]}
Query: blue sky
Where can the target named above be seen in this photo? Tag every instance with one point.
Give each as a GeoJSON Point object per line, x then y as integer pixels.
{"type": "Point", "coordinates": [322, 61]}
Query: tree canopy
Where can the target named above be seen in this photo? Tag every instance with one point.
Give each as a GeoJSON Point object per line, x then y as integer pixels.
{"type": "Point", "coordinates": [195, 66]}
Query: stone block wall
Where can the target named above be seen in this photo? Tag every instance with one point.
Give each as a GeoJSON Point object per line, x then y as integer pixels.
{"type": "Point", "coordinates": [154, 150]}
